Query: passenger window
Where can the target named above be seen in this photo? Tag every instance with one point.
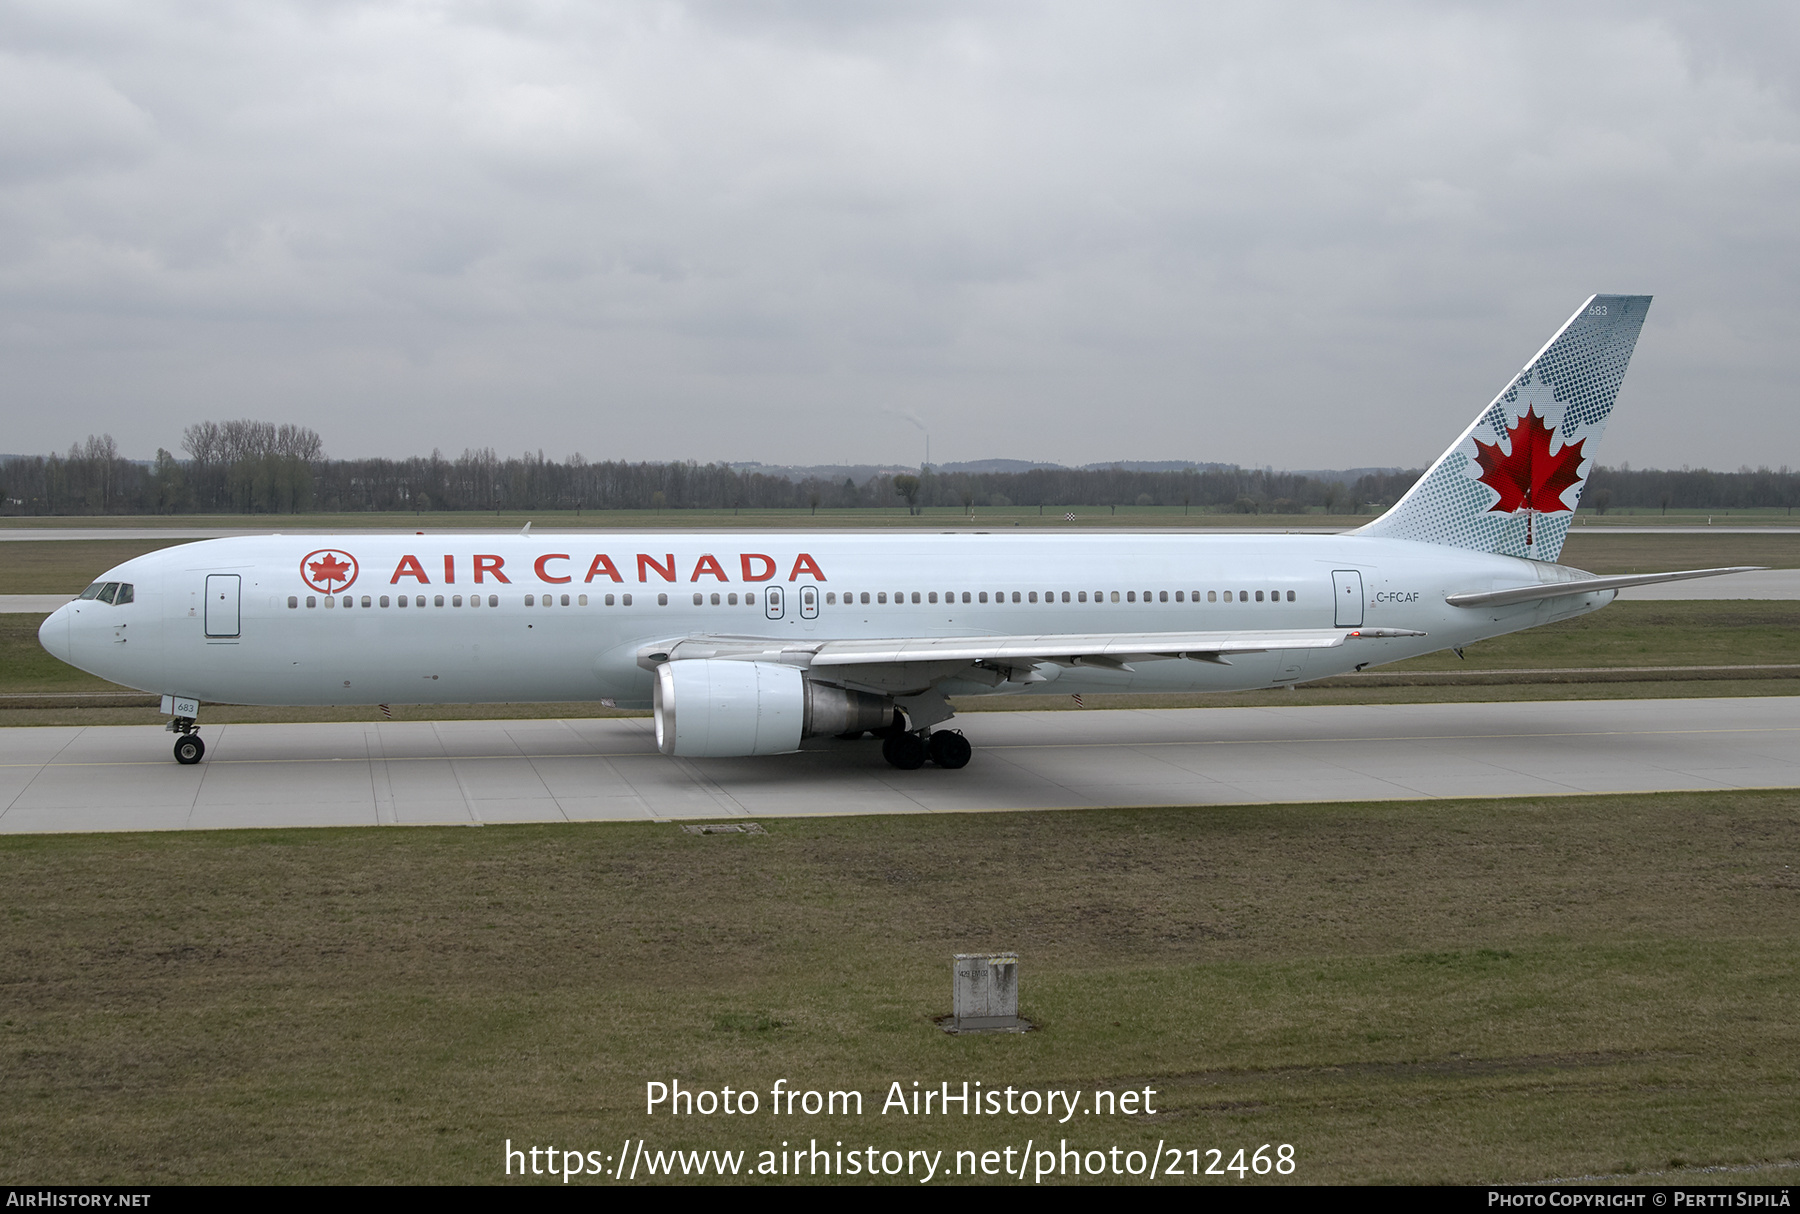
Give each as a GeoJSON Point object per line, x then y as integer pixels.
{"type": "Point", "coordinates": [984, 596]}
{"type": "Point", "coordinates": [865, 597]}
{"type": "Point", "coordinates": [1082, 597]}
{"type": "Point", "coordinates": [1290, 596]}
{"type": "Point", "coordinates": [699, 599]}
{"type": "Point", "coordinates": [365, 600]}
{"type": "Point", "coordinates": [881, 596]}
{"type": "Point", "coordinates": [830, 598]}
{"type": "Point", "coordinates": [312, 600]}
{"type": "Point", "coordinates": [293, 601]}
{"type": "Point", "coordinates": [1259, 596]}
{"type": "Point", "coordinates": [456, 600]}
{"type": "Point", "coordinates": [916, 596]}
{"type": "Point", "coordinates": [1033, 596]}
{"type": "Point", "coordinates": [1065, 596]}
{"type": "Point", "coordinates": [1016, 596]}
{"type": "Point", "coordinates": [662, 600]}
{"type": "Point", "coordinates": [582, 600]}
{"type": "Point", "coordinates": [1115, 596]}
{"type": "Point", "coordinates": [564, 600]}
{"type": "Point", "coordinates": [384, 600]}
{"type": "Point", "coordinates": [965, 596]}
{"type": "Point", "coordinates": [331, 602]}
{"type": "Point", "coordinates": [624, 600]}
{"type": "Point", "coordinates": [531, 600]}
{"type": "Point", "coordinates": [1212, 596]}
{"type": "Point", "coordinates": [1162, 596]}
{"type": "Point", "coordinates": [731, 600]}
{"type": "Point", "coordinates": [609, 600]}
{"type": "Point", "coordinates": [715, 598]}
{"type": "Point", "coordinates": [933, 596]}
{"type": "Point", "coordinates": [1131, 596]}
{"type": "Point", "coordinates": [348, 601]}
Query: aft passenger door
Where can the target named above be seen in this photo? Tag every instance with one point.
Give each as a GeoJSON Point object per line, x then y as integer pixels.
{"type": "Point", "coordinates": [222, 596]}
{"type": "Point", "coordinates": [1348, 590]}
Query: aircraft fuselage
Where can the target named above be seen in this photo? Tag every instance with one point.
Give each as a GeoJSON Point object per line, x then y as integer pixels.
{"type": "Point", "coordinates": [317, 620]}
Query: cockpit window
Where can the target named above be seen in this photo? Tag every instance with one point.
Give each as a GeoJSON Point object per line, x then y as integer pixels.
{"type": "Point", "coordinates": [93, 592]}
{"type": "Point", "coordinates": [107, 591]}
{"type": "Point", "coordinates": [124, 596]}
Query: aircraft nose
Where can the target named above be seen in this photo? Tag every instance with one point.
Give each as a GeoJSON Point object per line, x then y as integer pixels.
{"type": "Point", "coordinates": [53, 635]}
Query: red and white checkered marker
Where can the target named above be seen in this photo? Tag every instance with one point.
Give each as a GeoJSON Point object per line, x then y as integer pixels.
{"type": "Point", "coordinates": [1077, 698]}
{"type": "Point", "coordinates": [1070, 516]}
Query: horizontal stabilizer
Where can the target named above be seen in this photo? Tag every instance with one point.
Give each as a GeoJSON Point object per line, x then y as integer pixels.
{"type": "Point", "coordinates": [1554, 590]}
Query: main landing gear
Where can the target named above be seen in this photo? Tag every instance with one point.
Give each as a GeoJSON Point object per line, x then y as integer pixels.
{"type": "Point", "coordinates": [909, 751]}
{"type": "Point", "coordinates": [189, 749]}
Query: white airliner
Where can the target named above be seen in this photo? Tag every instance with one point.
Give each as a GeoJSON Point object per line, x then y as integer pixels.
{"type": "Point", "coordinates": [746, 644]}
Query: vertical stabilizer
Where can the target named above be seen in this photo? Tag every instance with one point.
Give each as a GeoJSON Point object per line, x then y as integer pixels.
{"type": "Point", "coordinates": [1511, 483]}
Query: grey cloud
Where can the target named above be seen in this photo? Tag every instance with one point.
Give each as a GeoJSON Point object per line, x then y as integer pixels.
{"type": "Point", "coordinates": [1301, 235]}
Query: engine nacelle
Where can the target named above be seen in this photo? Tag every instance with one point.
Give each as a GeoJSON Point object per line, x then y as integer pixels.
{"type": "Point", "coordinates": [710, 708]}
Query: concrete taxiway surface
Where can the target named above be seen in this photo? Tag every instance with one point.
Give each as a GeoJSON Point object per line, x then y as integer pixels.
{"type": "Point", "coordinates": [122, 778]}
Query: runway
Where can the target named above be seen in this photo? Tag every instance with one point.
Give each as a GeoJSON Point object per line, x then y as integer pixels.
{"type": "Point", "coordinates": [488, 772]}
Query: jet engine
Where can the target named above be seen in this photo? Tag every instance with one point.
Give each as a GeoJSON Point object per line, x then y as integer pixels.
{"type": "Point", "coordinates": [709, 708]}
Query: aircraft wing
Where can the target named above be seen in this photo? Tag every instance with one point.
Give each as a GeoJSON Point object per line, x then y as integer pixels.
{"type": "Point", "coordinates": [1553, 590]}
{"type": "Point", "coordinates": [1111, 650]}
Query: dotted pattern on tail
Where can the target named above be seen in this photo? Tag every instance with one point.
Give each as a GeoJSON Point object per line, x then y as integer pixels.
{"type": "Point", "coordinates": [1572, 384]}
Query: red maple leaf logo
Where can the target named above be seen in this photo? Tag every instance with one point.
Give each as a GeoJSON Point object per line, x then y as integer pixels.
{"type": "Point", "coordinates": [1531, 478]}
{"type": "Point", "coordinates": [332, 570]}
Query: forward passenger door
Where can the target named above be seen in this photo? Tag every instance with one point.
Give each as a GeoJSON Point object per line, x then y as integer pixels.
{"type": "Point", "coordinates": [222, 594]}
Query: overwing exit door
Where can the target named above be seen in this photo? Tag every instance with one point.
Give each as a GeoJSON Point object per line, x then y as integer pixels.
{"type": "Point", "coordinates": [1347, 585]}
{"type": "Point", "coordinates": [222, 591]}
{"type": "Point", "coordinates": [772, 604]}
{"type": "Point", "coordinates": [809, 602]}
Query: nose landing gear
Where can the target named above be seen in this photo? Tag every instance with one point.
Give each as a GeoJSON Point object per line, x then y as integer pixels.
{"type": "Point", "coordinates": [189, 749]}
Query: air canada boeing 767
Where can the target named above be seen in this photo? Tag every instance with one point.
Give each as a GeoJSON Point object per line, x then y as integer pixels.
{"type": "Point", "coordinates": [744, 644]}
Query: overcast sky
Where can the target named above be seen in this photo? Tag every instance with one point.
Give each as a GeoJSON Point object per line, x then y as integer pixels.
{"type": "Point", "coordinates": [1297, 235]}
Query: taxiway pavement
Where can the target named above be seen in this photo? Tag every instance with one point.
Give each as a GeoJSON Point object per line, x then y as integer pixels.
{"type": "Point", "coordinates": [110, 778]}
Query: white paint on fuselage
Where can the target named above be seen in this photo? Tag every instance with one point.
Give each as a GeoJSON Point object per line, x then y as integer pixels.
{"type": "Point", "coordinates": [369, 655]}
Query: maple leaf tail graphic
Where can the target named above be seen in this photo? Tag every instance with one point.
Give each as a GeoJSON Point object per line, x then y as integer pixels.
{"type": "Point", "coordinates": [1511, 481]}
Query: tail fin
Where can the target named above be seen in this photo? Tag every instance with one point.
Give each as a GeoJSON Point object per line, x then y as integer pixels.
{"type": "Point", "coordinates": [1511, 483]}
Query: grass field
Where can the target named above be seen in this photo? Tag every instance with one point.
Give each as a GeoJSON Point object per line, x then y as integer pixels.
{"type": "Point", "coordinates": [888, 516]}
{"type": "Point", "coordinates": [1444, 992]}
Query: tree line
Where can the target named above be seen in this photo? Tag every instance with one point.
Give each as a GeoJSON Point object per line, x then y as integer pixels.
{"type": "Point", "coordinates": [249, 467]}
